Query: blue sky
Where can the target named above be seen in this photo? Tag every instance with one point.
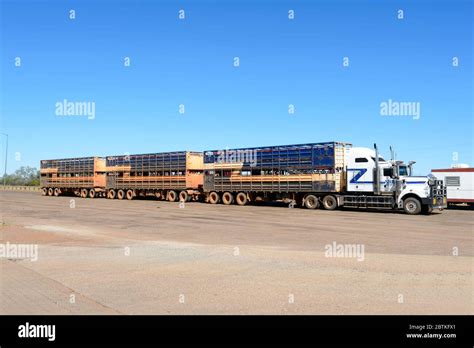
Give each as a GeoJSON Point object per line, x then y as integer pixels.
{"type": "Point", "coordinates": [191, 62]}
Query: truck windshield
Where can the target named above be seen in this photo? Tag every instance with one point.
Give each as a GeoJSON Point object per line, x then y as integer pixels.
{"type": "Point", "coordinates": [402, 171]}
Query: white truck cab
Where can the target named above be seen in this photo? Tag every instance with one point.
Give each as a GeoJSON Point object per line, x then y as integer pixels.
{"type": "Point", "coordinates": [372, 181]}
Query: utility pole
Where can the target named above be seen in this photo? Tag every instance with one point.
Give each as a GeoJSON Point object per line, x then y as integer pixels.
{"type": "Point", "coordinates": [6, 157]}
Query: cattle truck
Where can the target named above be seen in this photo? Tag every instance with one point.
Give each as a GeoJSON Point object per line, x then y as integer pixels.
{"type": "Point", "coordinates": [459, 184]}
{"type": "Point", "coordinates": [327, 175]}
{"type": "Point", "coordinates": [83, 177]}
{"type": "Point", "coordinates": [168, 175]}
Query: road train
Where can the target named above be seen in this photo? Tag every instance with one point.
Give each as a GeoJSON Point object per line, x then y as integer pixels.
{"type": "Point", "coordinates": [327, 175]}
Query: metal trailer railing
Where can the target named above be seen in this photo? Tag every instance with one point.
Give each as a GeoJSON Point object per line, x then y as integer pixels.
{"type": "Point", "coordinates": [314, 167]}
{"type": "Point", "coordinates": [68, 173]}
{"type": "Point", "coordinates": [162, 171]}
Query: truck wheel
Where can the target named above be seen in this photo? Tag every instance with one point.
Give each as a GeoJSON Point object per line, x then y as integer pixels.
{"type": "Point", "coordinates": [130, 194]}
{"type": "Point", "coordinates": [120, 194]}
{"type": "Point", "coordinates": [227, 198]}
{"type": "Point", "coordinates": [50, 191]}
{"type": "Point", "coordinates": [172, 196]}
{"type": "Point", "coordinates": [183, 196]}
{"type": "Point", "coordinates": [111, 194]}
{"type": "Point", "coordinates": [311, 202]}
{"type": "Point", "coordinates": [44, 191]}
{"type": "Point", "coordinates": [214, 198]}
{"type": "Point", "coordinates": [158, 194]}
{"type": "Point", "coordinates": [92, 193]}
{"type": "Point", "coordinates": [426, 209]}
{"type": "Point", "coordinates": [329, 202]}
{"type": "Point", "coordinates": [412, 206]}
{"type": "Point", "coordinates": [57, 192]}
{"type": "Point", "coordinates": [241, 198]}
{"type": "Point", "coordinates": [84, 193]}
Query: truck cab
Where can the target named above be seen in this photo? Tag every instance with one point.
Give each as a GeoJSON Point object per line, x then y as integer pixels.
{"type": "Point", "coordinates": [378, 183]}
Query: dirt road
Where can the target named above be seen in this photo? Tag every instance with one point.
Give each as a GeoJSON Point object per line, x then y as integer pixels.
{"type": "Point", "coordinates": [150, 257]}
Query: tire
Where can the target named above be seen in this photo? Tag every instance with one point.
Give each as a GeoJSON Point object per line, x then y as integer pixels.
{"type": "Point", "coordinates": [120, 194]}
{"type": "Point", "coordinates": [84, 193]}
{"type": "Point", "coordinates": [241, 198]}
{"type": "Point", "coordinates": [111, 194]}
{"type": "Point", "coordinates": [172, 196]}
{"type": "Point", "coordinates": [44, 191]}
{"type": "Point", "coordinates": [214, 198]}
{"type": "Point", "coordinates": [57, 191]}
{"type": "Point", "coordinates": [50, 191]}
{"type": "Point", "coordinates": [412, 206]}
{"type": "Point", "coordinates": [329, 202]}
{"type": "Point", "coordinates": [183, 196]}
{"type": "Point", "coordinates": [426, 209]}
{"type": "Point", "coordinates": [158, 194]}
{"type": "Point", "coordinates": [92, 193]}
{"type": "Point", "coordinates": [311, 202]}
{"type": "Point", "coordinates": [130, 194]}
{"type": "Point", "coordinates": [227, 198]}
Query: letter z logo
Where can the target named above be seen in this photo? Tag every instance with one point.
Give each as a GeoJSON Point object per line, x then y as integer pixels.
{"type": "Point", "coordinates": [358, 175]}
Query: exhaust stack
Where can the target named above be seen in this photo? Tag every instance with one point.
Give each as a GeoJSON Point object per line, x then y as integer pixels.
{"type": "Point", "coordinates": [376, 172]}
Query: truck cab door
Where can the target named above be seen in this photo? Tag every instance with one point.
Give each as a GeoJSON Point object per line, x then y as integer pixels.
{"type": "Point", "coordinates": [387, 183]}
{"type": "Point", "coordinates": [360, 173]}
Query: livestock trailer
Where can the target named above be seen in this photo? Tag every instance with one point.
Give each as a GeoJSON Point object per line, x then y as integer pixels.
{"type": "Point", "coordinates": [167, 175]}
{"type": "Point", "coordinates": [83, 176]}
{"type": "Point", "coordinates": [274, 172]}
{"type": "Point", "coordinates": [459, 184]}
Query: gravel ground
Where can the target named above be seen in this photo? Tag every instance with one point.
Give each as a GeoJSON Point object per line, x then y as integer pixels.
{"type": "Point", "coordinates": [151, 257]}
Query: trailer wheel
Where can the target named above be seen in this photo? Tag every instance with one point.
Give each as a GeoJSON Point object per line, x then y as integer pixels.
{"type": "Point", "coordinates": [214, 198]}
{"type": "Point", "coordinates": [92, 193]}
{"type": "Point", "coordinates": [130, 194]}
{"type": "Point", "coordinates": [120, 194]}
{"type": "Point", "coordinates": [44, 191]}
{"type": "Point", "coordinates": [172, 196]}
{"type": "Point", "coordinates": [183, 196]}
{"type": "Point", "coordinates": [84, 193]}
{"type": "Point", "coordinates": [111, 194]}
{"type": "Point", "coordinates": [227, 198]}
{"type": "Point", "coordinates": [50, 191]}
{"type": "Point", "coordinates": [311, 202]}
{"type": "Point", "coordinates": [241, 198]}
{"type": "Point", "coordinates": [329, 202]}
{"type": "Point", "coordinates": [412, 206]}
{"type": "Point", "coordinates": [56, 192]}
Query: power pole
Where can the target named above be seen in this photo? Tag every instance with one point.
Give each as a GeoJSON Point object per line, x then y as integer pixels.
{"type": "Point", "coordinates": [6, 161]}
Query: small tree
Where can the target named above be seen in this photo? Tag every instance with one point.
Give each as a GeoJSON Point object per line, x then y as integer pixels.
{"type": "Point", "coordinates": [26, 176]}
